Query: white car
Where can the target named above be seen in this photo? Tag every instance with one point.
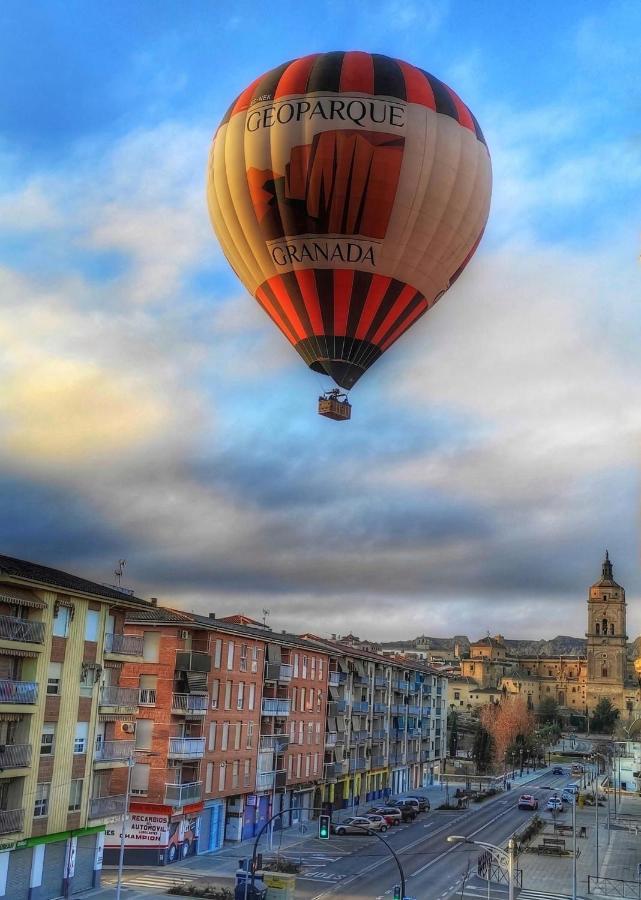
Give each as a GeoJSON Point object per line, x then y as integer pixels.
{"type": "Point", "coordinates": [555, 804]}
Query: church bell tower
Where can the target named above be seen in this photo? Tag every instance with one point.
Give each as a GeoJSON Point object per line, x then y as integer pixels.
{"type": "Point", "coordinates": [606, 639]}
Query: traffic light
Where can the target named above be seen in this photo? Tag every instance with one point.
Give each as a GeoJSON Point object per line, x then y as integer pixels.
{"type": "Point", "coordinates": [397, 892]}
{"type": "Point", "coordinates": [323, 827]}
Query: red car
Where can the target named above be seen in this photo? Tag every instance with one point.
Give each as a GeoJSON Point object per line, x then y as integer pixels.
{"type": "Point", "coordinates": [527, 801]}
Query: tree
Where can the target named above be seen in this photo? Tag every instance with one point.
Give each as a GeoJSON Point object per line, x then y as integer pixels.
{"type": "Point", "coordinates": [508, 723]}
{"type": "Point", "coordinates": [482, 749]}
{"type": "Point", "coordinates": [453, 723]}
{"type": "Point", "coordinates": [604, 716]}
{"type": "Point", "coordinates": [548, 711]}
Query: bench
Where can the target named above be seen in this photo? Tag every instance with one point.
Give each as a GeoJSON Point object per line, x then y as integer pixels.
{"type": "Point", "coordinates": [554, 846]}
{"type": "Point", "coordinates": [563, 829]}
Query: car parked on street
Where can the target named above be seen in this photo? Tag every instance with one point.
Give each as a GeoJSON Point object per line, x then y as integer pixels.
{"type": "Point", "coordinates": [408, 810]}
{"type": "Point", "coordinates": [355, 825]}
{"type": "Point", "coordinates": [391, 814]}
{"type": "Point", "coordinates": [571, 788]}
{"type": "Point", "coordinates": [378, 820]}
{"type": "Point", "coordinates": [568, 796]}
{"type": "Point", "coordinates": [423, 802]}
{"type": "Point", "coordinates": [555, 804]}
{"type": "Point", "coordinates": [527, 801]}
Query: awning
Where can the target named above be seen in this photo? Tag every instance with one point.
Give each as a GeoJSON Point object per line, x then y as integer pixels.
{"type": "Point", "coordinates": [112, 717]}
{"type": "Point", "coordinates": [10, 717]}
{"type": "Point", "coordinates": [13, 651]}
{"type": "Point", "coordinates": [197, 682]}
{"type": "Point", "coordinates": [11, 594]}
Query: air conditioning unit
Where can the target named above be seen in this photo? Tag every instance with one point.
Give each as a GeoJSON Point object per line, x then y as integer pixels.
{"type": "Point", "coordinates": [184, 634]}
{"type": "Point", "coordinates": [129, 727]}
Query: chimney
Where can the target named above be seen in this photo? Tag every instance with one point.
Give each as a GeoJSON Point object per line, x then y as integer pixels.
{"type": "Point", "coordinates": [212, 615]}
{"type": "Point", "coordinates": [153, 601]}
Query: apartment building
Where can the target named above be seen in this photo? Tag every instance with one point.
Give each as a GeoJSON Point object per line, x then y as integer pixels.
{"type": "Point", "coordinates": [61, 704]}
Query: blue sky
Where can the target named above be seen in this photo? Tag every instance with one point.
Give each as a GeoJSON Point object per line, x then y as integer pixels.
{"type": "Point", "coordinates": [149, 411]}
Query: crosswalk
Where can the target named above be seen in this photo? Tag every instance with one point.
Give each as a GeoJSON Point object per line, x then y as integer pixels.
{"type": "Point", "coordinates": [500, 892]}
{"type": "Point", "coordinates": [148, 880]}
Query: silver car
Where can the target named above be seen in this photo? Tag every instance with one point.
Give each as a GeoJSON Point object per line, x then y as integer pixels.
{"type": "Point", "coordinates": [357, 825]}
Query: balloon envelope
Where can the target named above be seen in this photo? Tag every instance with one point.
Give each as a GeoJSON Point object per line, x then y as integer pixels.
{"type": "Point", "coordinates": [348, 191]}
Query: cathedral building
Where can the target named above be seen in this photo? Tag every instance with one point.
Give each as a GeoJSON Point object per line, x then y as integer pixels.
{"type": "Point", "coordinates": [576, 682]}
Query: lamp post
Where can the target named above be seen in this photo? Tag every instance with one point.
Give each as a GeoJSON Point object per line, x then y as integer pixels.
{"type": "Point", "coordinates": [506, 858]}
{"type": "Point", "coordinates": [574, 799]}
{"type": "Point", "coordinates": [131, 761]}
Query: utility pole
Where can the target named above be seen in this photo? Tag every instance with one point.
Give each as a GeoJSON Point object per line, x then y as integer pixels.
{"type": "Point", "coordinates": [123, 824]}
{"type": "Point", "coordinates": [574, 848]}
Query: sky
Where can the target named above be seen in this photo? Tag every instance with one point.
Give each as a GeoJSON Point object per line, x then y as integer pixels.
{"type": "Point", "coordinates": [150, 411]}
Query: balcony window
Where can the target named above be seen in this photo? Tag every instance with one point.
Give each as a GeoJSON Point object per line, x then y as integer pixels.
{"type": "Point", "coordinates": [147, 686]}
{"type": "Point", "coordinates": [212, 736]}
{"type": "Point", "coordinates": [54, 674]}
{"type": "Point", "coordinates": [215, 690]}
{"type": "Point", "coordinates": [61, 619]}
{"type": "Point", "coordinates": [225, 736]}
{"type": "Point", "coordinates": [247, 773]}
{"type": "Point", "coordinates": [228, 685]}
{"type": "Point", "coordinates": [243, 657]}
{"type": "Point", "coordinates": [252, 697]}
{"type": "Point", "coordinates": [230, 656]}
{"type": "Point", "coordinates": [81, 737]}
{"type": "Point", "coordinates": [250, 736]}
{"type": "Point", "coordinates": [221, 776]}
{"type": "Point", "coordinates": [144, 734]}
{"type": "Point", "coordinates": [218, 649]}
{"type": "Point", "coordinates": [254, 658]}
{"type": "Point", "coordinates": [234, 774]}
{"type": "Point", "coordinates": [151, 646]}
{"type": "Point", "coordinates": [47, 738]}
{"type": "Point", "coordinates": [209, 777]}
{"type": "Point", "coordinates": [241, 695]}
{"type": "Point", "coordinates": [41, 801]}
{"type": "Point", "coordinates": [140, 779]}
{"type": "Point", "coordinates": [320, 669]}
{"type": "Point", "coordinates": [92, 625]}
{"type": "Point", "coordinates": [75, 795]}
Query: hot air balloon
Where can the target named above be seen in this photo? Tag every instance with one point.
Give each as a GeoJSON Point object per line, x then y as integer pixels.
{"type": "Point", "coordinates": [348, 191]}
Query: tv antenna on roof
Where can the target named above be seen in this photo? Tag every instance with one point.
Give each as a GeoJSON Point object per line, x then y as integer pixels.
{"type": "Point", "coordinates": [266, 612]}
{"type": "Point", "coordinates": [119, 572]}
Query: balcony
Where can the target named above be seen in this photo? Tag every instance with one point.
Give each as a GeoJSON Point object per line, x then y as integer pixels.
{"type": "Point", "coordinates": [100, 807]}
{"type": "Point", "coordinates": [189, 704]}
{"type": "Point", "coordinates": [193, 661]}
{"type": "Point", "coordinates": [379, 735]}
{"type": "Point", "coordinates": [412, 756]}
{"type": "Point", "coordinates": [15, 756]}
{"type": "Point", "coordinates": [360, 679]}
{"type": "Point", "coordinates": [336, 769]}
{"type": "Point", "coordinates": [337, 707]}
{"type": "Point", "coordinates": [114, 751]}
{"type": "Point", "coordinates": [266, 781]}
{"type": "Point", "coordinates": [11, 821]}
{"type": "Point", "coordinates": [331, 739]}
{"type": "Point", "coordinates": [15, 629]}
{"type": "Point", "coordinates": [380, 682]}
{"type": "Point", "coordinates": [179, 794]}
{"type": "Point", "coordinates": [119, 697]}
{"type": "Point", "coordinates": [275, 707]}
{"type": "Point", "coordinates": [278, 672]}
{"type": "Point", "coordinates": [360, 706]}
{"type": "Point", "coordinates": [380, 708]}
{"type": "Point", "coordinates": [124, 644]}
{"type": "Point", "coordinates": [414, 732]}
{"type": "Point", "coordinates": [336, 678]}
{"type": "Point", "coordinates": [414, 710]}
{"type": "Point", "coordinates": [276, 742]}
{"type": "Point", "coordinates": [358, 737]}
{"type": "Point", "coordinates": [358, 764]}
{"type": "Point", "coordinates": [186, 748]}
{"type": "Point", "coordinates": [378, 761]}
{"type": "Point", "coordinates": [18, 692]}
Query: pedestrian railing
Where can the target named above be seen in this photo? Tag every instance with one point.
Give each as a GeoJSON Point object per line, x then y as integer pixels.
{"type": "Point", "coordinates": [599, 886]}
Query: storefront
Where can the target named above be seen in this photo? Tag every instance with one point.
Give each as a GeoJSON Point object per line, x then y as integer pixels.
{"type": "Point", "coordinates": [153, 838]}
{"type": "Point", "coordinates": [212, 826]}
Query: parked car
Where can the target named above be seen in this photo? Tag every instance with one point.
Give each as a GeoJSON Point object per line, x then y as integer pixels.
{"type": "Point", "coordinates": [555, 804]}
{"type": "Point", "coordinates": [557, 770]}
{"type": "Point", "coordinates": [414, 801]}
{"type": "Point", "coordinates": [568, 796]}
{"type": "Point", "coordinates": [409, 811]}
{"type": "Point", "coordinates": [355, 825]}
{"type": "Point", "coordinates": [527, 801]}
{"type": "Point", "coordinates": [571, 788]}
{"type": "Point", "coordinates": [391, 814]}
{"type": "Point", "coordinates": [423, 802]}
{"type": "Point", "coordinates": [378, 820]}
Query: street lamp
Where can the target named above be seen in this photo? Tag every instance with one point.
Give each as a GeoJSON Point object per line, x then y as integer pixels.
{"type": "Point", "coordinates": [506, 858]}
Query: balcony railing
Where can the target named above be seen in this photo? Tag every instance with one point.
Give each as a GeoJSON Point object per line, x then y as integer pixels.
{"type": "Point", "coordinates": [112, 695]}
{"type": "Point", "coordinates": [113, 750]}
{"type": "Point", "coordinates": [125, 644]}
{"type": "Point", "coordinates": [107, 806]}
{"type": "Point", "coordinates": [23, 692]}
{"type": "Point", "coordinates": [15, 756]}
{"type": "Point", "coordinates": [265, 781]}
{"type": "Point", "coordinates": [359, 737]}
{"type": "Point", "coordinates": [193, 661]}
{"type": "Point", "coordinates": [186, 748]}
{"type": "Point", "coordinates": [193, 704]}
{"type": "Point", "coordinates": [275, 707]}
{"type": "Point", "coordinates": [336, 678]}
{"type": "Point", "coordinates": [179, 794]}
{"type": "Point", "coordinates": [336, 769]}
{"type": "Point", "coordinates": [336, 707]}
{"type": "Point", "coordinates": [378, 761]}
{"type": "Point", "coordinates": [278, 672]}
{"type": "Point", "coordinates": [360, 679]}
{"type": "Point", "coordinates": [11, 820]}
{"type": "Point", "coordinates": [380, 708]}
{"type": "Point", "coordinates": [414, 710]}
{"type": "Point", "coordinates": [380, 681]}
{"type": "Point", "coordinates": [15, 629]}
{"type": "Point", "coordinates": [277, 742]}
{"type": "Point", "coordinates": [379, 734]}
{"type": "Point", "coordinates": [358, 764]}
{"type": "Point", "coordinates": [360, 706]}
{"type": "Point", "coordinates": [330, 739]}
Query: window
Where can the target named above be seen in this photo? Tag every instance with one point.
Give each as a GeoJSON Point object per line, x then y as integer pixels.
{"type": "Point", "coordinates": [41, 800]}
{"type": "Point", "coordinates": [302, 699]}
{"type": "Point", "coordinates": [310, 732]}
{"type": "Point", "coordinates": [598, 628]}
{"type": "Point", "coordinates": [313, 673]}
{"type": "Point", "coordinates": [310, 699]}
{"type": "Point", "coordinates": [301, 732]}
{"type": "Point", "coordinates": [92, 624]}
{"type": "Point", "coordinates": [228, 694]}
{"type": "Point", "coordinates": [61, 619]}
{"type": "Point", "coordinates": [215, 688]}
{"type": "Point", "coordinates": [147, 685]}
{"type": "Point", "coordinates": [230, 656]}
{"type": "Point", "coordinates": [212, 736]}
{"type": "Point", "coordinates": [75, 794]}
{"type": "Point", "coordinates": [294, 696]}
{"type": "Point", "coordinates": [225, 736]}
{"type": "Point", "coordinates": [144, 732]}
{"type": "Point", "coordinates": [221, 776]}
{"type": "Point", "coordinates": [318, 725]}
{"type": "Point", "coordinates": [299, 760]}
{"type": "Point", "coordinates": [254, 658]}
{"type": "Point", "coordinates": [241, 695]}
{"type": "Point", "coordinates": [457, 695]}
{"type": "Point", "coordinates": [54, 674]}
{"type": "Point", "coordinates": [234, 774]}
{"type": "Point", "coordinates": [247, 773]}
{"type": "Point", "coordinates": [295, 665]}
{"type": "Point", "coordinates": [47, 738]}
{"type": "Point", "coordinates": [140, 779]}
{"type": "Point", "coordinates": [88, 678]}
{"type": "Point", "coordinates": [604, 672]}
{"type": "Point", "coordinates": [292, 731]}
{"type": "Point", "coordinates": [320, 669]}
{"type": "Point", "coordinates": [239, 726]}
{"type": "Point", "coordinates": [252, 696]}
{"type": "Point", "coordinates": [315, 763]}
{"type": "Point", "coordinates": [81, 737]}
{"type": "Point", "coordinates": [243, 657]}
{"type": "Point", "coordinates": [218, 649]}
{"type": "Point", "coordinates": [250, 735]}
{"type": "Point", "coordinates": [290, 765]}
{"type": "Point", "coordinates": [304, 672]}
{"type": "Point", "coordinates": [209, 777]}
{"type": "Point", "coordinates": [611, 629]}
{"type": "Point", "coordinates": [308, 763]}
{"type": "Point", "coordinates": [150, 646]}
{"type": "Point", "coordinates": [319, 701]}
